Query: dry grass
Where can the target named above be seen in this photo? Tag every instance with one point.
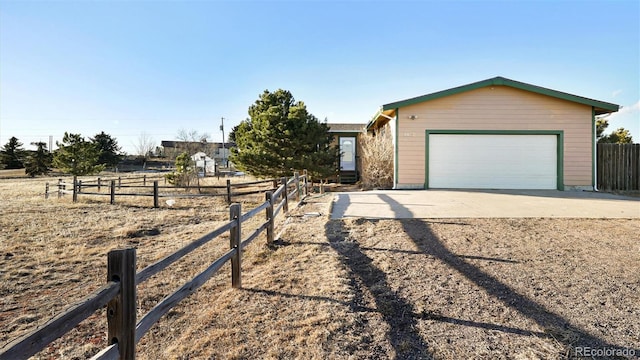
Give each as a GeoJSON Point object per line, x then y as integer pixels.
{"type": "Point", "coordinates": [53, 252]}
{"type": "Point", "coordinates": [347, 289]}
{"type": "Point", "coordinates": [13, 173]}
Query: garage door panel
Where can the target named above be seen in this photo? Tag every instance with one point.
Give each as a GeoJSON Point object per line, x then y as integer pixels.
{"type": "Point", "coordinates": [493, 161]}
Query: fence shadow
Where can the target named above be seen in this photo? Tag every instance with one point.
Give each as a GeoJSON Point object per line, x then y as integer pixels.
{"type": "Point", "coordinates": [368, 280]}
{"type": "Point", "coordinates": [560, 328]}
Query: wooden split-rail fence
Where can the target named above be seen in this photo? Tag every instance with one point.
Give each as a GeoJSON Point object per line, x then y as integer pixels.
{"type": "Point", "coordinates": [119, 293]}
{"type": "Point", "coordinates": [150, 187]}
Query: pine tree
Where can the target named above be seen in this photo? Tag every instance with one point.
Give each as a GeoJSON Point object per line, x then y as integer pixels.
{"type": "Point", "coordinates": [110, 152]}
{"type": "Point", "coordinates": [280, 137]}
{"type": "Point", "coordinates": [76, 156]}
{"type": "Point", "coordinates": [619, 136]}
{"type": "Point", "coordinates": [185, 171]}
{"type": "Point", "coordinates": [39, 161]}
{"type": "Point", "coordinates": [12, 154]}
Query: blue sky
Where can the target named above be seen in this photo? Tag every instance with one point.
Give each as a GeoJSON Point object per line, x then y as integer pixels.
{"type": "Point", "coordinates": [159, 66]}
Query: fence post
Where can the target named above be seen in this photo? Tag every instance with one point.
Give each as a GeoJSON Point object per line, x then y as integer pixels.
{"type": "Point", "coordinates": [296, 175]}
{"type": "Point", "coordinates": [59, 188]}
{"type": "Point", "coordinates": [119, 182]}
{"type": "Point", "coordinates": [306, 182]}
{"type": "Point", "coordinates": [113, 192]}
{"type": "Point", "coordinates": [155, 194]}
{"type": "Point", "coordinates": [144, 180]}
{"type": "Point", "coordinates": [235, 210]}
{"type": "Point", "coordinates": [285, 194]}
{"type": "Point", "coordinates": [121, 310]}
{"type": "Point", "coordinates": [75, 188]}
{"type": "Point", "coordinates": [270, 226]}
{"type": "Point", "coordinates": [228, 191]}
{"type": "Point", "coordinates": [46, 190]}
{"type": "Point", "coordinates": [79, 186]}
{"type": "Point", "coordinates": [99, 184]}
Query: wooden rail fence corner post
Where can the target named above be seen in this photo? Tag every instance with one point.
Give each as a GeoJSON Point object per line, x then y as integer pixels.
{"type": "Point", "coordinates": [75, 188]}
{"type": "Point", "coordinates": [155, 194]}
{"type": "Point", "coordinates": [228, 191]}
{"type": "Point", "coordinates": [235, 211]}
{"type": "Point", "coordinates": [271, 225]}
{"type": "Point", "coordinates": [306, 182]}
{"type": "Point", "coordinates": [113, 192]}
{"type": "Point", "coordinates": [285, 195]}
{"type": "Point", "coordinates": [296, 176]}
{"type": "Point", "coordinates": [121, 311]}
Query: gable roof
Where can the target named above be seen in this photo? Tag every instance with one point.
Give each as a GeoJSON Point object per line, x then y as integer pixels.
{"type": "Point", "coordinates": [600, 107]}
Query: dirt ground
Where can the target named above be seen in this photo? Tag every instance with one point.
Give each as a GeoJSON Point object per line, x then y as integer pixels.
{"type": "Point", "coordinates": [342, 289]}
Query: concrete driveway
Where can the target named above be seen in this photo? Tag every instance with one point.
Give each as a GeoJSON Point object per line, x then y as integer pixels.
{"type": "Point", "coordinates": [403, 204]}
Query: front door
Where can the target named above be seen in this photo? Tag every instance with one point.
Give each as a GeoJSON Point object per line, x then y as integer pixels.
{"type": "Point", "coordinates": [348, 153]}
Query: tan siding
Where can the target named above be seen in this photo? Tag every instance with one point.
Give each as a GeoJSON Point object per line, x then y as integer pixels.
{"type": "Point", "coordinates": [496, 108]}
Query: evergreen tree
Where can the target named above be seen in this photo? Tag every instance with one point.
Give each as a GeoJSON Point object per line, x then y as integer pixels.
{"type": "Point", "coordinates": [601, 126]}
{"type": "Point", "coordinates": [185, 171]}
{"type": "Point", "coordinates": [232, 134]}
{"type": "Point", "coordinates": [76, 156]}
{"type": "Point", "coordinates": [281, 136]}
{"type": "Point", "coordinates": [12, 154]}
{"type": "Point", "coordinates": [110, 152]}
{"type": "Point", "coordinates": [39, 161]}
{"type": "Point", "coordinates": [619, 136]}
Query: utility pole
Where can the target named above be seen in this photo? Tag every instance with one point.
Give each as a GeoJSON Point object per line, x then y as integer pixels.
{"type": "Point", "coordinates": [224, 160]}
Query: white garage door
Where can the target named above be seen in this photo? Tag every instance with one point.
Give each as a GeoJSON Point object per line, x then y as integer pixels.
{"type": "Point", "coordinates": [492, 161]}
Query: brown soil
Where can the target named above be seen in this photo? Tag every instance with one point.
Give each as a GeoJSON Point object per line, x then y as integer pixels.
{"type": "Point", "coordinates": [344, 289]}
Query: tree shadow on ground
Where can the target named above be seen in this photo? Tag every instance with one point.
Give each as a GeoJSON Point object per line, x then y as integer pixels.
{"type": "Point", "coordinates": [560, 328]}
{"type": "Point", "coordinates": [370, 283]}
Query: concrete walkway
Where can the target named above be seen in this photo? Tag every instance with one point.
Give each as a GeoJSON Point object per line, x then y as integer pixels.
{"type": "Point", "coordinates": [403, 204]}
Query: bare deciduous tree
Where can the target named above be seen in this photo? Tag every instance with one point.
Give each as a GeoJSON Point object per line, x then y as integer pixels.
{"type": "Point", "coordinates": [145, 145]}
{"type": "Point", "coordinates": [193, 141]}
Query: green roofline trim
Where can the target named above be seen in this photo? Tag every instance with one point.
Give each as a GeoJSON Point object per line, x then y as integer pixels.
{"type": "Point", "coordinates": [374, 118]}
{"type": "Point", "coordinates": [600, 107]}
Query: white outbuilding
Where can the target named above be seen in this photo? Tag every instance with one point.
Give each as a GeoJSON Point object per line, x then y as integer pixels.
{"type": "Point", "coordinates": [203, 161]}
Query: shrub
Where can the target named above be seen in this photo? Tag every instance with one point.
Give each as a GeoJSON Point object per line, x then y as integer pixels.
{"type": "Point", "coordinates": [377, 160]}
{"type": "Point", "coordinates": [185, 171]}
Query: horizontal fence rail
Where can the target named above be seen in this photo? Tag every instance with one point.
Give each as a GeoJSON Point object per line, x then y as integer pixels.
{"type": "Point", "coordinates": [30, 344]}
{"type": "Point", "coordinates": [119, 294]}
{"type": "Point", "coordinates": [148, 187]}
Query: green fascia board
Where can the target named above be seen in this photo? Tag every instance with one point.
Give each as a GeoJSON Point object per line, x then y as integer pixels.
{"type": "Point", "coordinates": [559, 147]}
{"type": "Point", "coordinates": [373, 119]}
{"type": "Point", "coordinates": [601, 107]}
